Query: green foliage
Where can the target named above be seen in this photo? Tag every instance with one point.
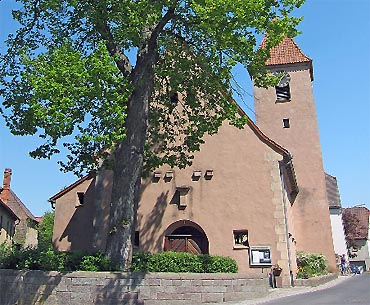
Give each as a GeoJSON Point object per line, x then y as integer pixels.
{"type": "Point", "coordinates": [182, 262]}
{"type": "Point", "coordinates": [45, 231]}
{"type": "Point", "coordinates": [13, 257]}
{"type": "Point", "coordinates": [68, 73]}
{"type": "Point", "coordinates": [311, 265]}
{"type": "Point", "coordinates": [85, 74]}
{"type": "Point", "coordinates": [7, 258]}
{"type": "Point", "coordinates": [97, 262]}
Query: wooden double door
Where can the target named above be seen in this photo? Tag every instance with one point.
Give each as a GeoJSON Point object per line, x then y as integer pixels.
{"type": "Point", "coordinates": [187, 239]}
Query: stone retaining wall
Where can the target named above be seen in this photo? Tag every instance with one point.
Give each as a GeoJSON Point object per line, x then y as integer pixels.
{"type": "Point", "coordinates": [112, 288]}
{"type": "Point", "coordinates": [315, 281]}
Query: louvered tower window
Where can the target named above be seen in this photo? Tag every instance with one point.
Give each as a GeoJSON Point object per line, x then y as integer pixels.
{"type": "Point", "coordinates": [282, 94]}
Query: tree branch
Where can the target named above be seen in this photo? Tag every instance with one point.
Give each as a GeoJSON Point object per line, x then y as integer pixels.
{"type": "Point", "coordinates": [122, 61]}
{"type": "Point", "coordinates": [160, 26]}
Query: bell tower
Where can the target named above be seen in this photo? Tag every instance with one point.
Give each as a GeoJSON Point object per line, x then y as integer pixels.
{"type": "Point", "coordinates": [286, 114]}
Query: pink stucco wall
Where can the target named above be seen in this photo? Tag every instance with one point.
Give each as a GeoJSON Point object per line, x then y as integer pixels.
{"type": "Point", "coordinates": [311, 211]}
{"type": "Point", "coordinates": [244, 193]}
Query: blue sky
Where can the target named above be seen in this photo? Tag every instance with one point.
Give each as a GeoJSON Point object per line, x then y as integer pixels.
{"type": "Point", "coordinates": [335, 35]}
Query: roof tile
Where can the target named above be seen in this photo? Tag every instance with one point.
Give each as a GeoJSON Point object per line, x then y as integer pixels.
{"type": "Point", "coordinates": [287, 52]}
{"type": "Point", "coordinates": [332, 191]}
{"type": "Point", "coordinates": [362, 214]}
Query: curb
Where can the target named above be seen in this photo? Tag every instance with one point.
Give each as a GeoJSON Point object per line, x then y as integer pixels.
{"type": "Point", "coordinates": [278, 293]}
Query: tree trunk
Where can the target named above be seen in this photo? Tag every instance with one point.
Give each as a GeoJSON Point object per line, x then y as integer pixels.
{"type": "Point", "coordinates": [128, 164]}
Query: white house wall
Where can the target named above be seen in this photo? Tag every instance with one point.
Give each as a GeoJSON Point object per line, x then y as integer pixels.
{"type": "Point", "coordinates": [339, 240]}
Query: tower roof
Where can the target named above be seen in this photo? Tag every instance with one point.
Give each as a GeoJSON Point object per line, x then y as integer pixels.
{"type": "Point", "coordinates": [287, 52]}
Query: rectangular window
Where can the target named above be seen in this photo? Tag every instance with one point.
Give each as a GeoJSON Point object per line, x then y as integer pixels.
{"type": "Point", "coordinates": [80, 198]}
{"type": "Point", "coordinates": [286, 123]}
{"type": "Point", "coordinates": [137, 239]}
{"type": "Point", "coordinates": [174, 98]}
{"type": "Point", "coordinates": [11, 233]}
{"type": "Point", "coordinates": [282, 94]}
{"type": "Point", "coordinates": [8, 229]}
{"type": "Point", "coordinates": [241, 239]}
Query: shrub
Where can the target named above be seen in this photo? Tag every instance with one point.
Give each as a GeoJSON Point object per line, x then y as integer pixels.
{"type": "Point", "coordinates": [182, 262]}
{"type": "Point", "coordinates": [13, 257]}
{"type": "Point", "coordinates": [8, 259]}
{"type": "Point", "coordinates": [97, 262]}
{"type": "Point", "coordinates": [218, 264]}
{"type": "Point", "coordinates": [45, 231]}
{"type": "Point", "coordinates": [311, 265]}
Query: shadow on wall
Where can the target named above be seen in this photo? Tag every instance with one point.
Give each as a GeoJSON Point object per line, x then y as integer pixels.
{"type": "Point", "coordinates": [120, 290]}
{"type": "Point", "coordinates": [79, 230]}
{"type": "Point", "coordinates": [30, 287]}
{"type": "Point", "coordinates": [153, 225]}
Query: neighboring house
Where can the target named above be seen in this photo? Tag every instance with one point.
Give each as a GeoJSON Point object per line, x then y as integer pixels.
{"type": "Point", "coordinates": [25, 232]}
{"type": "Point", "coordinates": [8, 221]}
{"type": "Point", "coordinates": [360, 227]}
{"type": "Point", "coordinates": [240, 198]}
{"type": "Point", "coordinates": [335, 208]}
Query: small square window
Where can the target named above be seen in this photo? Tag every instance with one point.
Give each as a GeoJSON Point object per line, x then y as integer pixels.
{"type": "Point", "coordinates": [286, 123]}
{"type": "Point", "coordinates": [241, 239]}
{"type": "Point", "coordinates": [174, 98]}
{"type": "Point", "coordinates": [80, 198]}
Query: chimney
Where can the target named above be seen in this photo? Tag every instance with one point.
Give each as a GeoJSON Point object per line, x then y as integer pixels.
{"type": "Point", "coordinates": [6, 185]}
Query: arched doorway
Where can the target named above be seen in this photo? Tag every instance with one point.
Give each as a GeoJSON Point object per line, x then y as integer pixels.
{"type": "Point", "coordinates": [186, 236]}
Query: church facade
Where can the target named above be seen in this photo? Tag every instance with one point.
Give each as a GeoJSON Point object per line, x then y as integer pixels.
{"type": "Point", "coordinates": [245, 196]}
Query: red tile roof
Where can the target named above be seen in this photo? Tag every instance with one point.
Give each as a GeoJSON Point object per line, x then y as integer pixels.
{"type": "Point", "coordinates": [332, 191]}
{"type": "Point", "coordinates": [39, 219]}
{"type": "Point", "coordinates": [18, 207]}
{"type": "Point", "coordinates": [287, 52]}
{"type": "Point", "coordinates": [361, 214]}
{"type": "Point", "coordinates": [9, 210]}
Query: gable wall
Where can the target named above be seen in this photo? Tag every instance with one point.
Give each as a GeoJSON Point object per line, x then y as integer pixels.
{"type": "Point", "coordinates": [6, 235]}
{"type": "Point", "coordinates": [73, 224]}
{"type": "Point", "coordinates": [244, 193]}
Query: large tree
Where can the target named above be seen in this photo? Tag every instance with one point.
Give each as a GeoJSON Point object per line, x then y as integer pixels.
{"type": "Point", "coordinates": [136, 83]}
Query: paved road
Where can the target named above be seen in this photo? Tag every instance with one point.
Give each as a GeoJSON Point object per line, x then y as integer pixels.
{"type": "Point", "coordinates": [343, 291]}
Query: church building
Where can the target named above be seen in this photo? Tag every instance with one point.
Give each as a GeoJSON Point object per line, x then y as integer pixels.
{"type": "Point", "coordinates": [256, 194]}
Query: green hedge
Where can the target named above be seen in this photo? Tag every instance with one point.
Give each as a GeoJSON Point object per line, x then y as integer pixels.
{"type": "Point", "coordinates": [182, 262]}
{"type": "Point", "coordinates": [13, 257]}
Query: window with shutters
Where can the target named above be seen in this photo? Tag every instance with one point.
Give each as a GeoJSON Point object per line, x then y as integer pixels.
{"type": "Point", "coordinates": [282, 94]}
